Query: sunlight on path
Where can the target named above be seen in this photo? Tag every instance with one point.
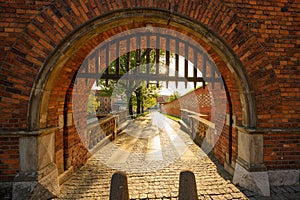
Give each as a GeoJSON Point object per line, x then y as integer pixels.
{"type": "Point", "coordinates": [152, 151]}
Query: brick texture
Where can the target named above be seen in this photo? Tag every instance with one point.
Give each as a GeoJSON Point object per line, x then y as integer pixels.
{"type": "Point", "coordinates": [282, 151]}
{"type": "Point", "coordinates": [275, 25]}
{"type": "Point", "coordinates": [9, 158]}
{"type": "Point", "coordinates": [197, 101]}
{"type": "Point", "coordinates": [263, 36]}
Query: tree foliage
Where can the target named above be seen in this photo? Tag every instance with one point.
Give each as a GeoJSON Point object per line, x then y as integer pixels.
{"type": "Point", "coordinates": [174, 96]}
{"type": "Point", "coordinates": [140, 95]}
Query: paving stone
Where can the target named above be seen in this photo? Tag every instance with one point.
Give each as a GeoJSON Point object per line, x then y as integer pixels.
{"type": "Point", "coordinates": [228, 196]}
{"type": "Point", "coordinates": [156, 179]}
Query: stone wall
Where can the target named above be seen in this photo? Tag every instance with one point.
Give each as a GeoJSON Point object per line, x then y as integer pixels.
{"type": "Point", "coordinates": [223, 144]}
{"type": "Point", "coordinates": [97, 131]}
{"type": "Point", "coordinates": [120, 116]}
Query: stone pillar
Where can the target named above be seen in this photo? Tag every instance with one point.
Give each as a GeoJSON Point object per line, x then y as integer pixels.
{"type": "Point", "coordinates": [250, 171]}
{"type": "Point", "coordinates": [38, 176]}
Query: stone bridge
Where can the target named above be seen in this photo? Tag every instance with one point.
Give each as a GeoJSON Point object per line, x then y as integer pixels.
{"type": "Point", "coordinates": [247, 52]}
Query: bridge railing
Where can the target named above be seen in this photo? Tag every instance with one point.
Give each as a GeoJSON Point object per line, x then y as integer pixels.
{"type": "Point", "coordinates": [120, 116]}
{"type": "Point", "coordinates": [105, 128]}
{"type": "Point", "coordinates": [102, 129]}
{"type": "Point", "coordinates": [185, 115]}
{"type": "Point", "coordinates": [199, 127]}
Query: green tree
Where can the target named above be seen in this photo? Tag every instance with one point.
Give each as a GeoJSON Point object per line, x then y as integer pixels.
{"type": "Point", "coordinates": [92, 105]}
{"type": "Point", "coordinates": [145, 97]}
{"type": "Point", "coordinates": [174, 96]}
{"type": "Point", "coordinates": [140, 95]}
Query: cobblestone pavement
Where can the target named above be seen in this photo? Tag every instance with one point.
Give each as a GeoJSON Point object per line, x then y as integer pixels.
{"type": "Point", "coordinates": [153, 151]}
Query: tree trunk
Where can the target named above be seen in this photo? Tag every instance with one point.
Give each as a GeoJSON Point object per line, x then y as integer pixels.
{"type": "Point", "coordinates": [142, 105]}
{"type": "Point", "coordinates": [130, 106]}
{"type": "Point", "coordinates": [138, 102]}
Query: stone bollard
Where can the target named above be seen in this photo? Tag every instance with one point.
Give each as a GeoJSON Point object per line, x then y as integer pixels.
{"type": "Point", "coordinates": [119, 187]}
{"type": "Point", "coordinates": [187, 186]}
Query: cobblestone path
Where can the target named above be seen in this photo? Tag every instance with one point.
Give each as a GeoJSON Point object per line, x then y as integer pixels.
{"type": "Point", "coordinates": [152, 151]}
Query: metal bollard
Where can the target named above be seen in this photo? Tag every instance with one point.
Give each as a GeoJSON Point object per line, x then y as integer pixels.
{"type": "Point", "coordinates": [119, 187]}
{"type": "Point", "coordinates": [187, 186]}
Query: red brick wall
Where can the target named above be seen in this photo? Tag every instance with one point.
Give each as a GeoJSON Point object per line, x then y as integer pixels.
{"type": "Point", "coordinates": [59, 150]}
{"type": "Point", "coordinates": [282, 151]}
{"type": "Point", "coordinates": [171, 108]}
{"type": "Point", "coordinates": [74, 134]}
{"type": "Point", "coordinates": [75, 152]}
{"type": "Point", "coordinates": [105, 104]}
{"type": "Point", "coordinates": [275, 24]}
{"type": "Point", "coordinates": [198, 101]}
{"type": "Point", "coordinates": [225, 143]}
{"type": "Point", "coordinates": [221, 147]}
{"type": "Point", "coordinates": [263, 35]}
{"type": "Point", "coordinates": [9, 158]}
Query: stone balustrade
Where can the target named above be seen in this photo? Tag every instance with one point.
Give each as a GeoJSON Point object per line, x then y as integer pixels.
{"type": "Point", "coordinates": [199, 127]}
{"type": "Point", "coordinates": [186, 115]}
{"type": "Point", "coordinates": [120, 116]}
{"type": "Point", "coordinates": [104, 127]}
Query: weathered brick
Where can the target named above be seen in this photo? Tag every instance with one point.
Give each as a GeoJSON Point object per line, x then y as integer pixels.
{"type": "Point", "coordinates": [263, 35]}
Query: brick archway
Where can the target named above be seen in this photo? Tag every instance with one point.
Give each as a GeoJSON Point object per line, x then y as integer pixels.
{"type": "Point", "coordinates": [47, 29]}
{"type": "Point", "coordinates": [104, 27]}
{"type": "Point", "coordinates": [66, 60]}
{"type": "Point", "coordinates": [42, 57]}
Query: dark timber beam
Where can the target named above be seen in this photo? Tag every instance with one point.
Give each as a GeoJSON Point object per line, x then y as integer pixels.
{"type": "Point", "coordinates": [157, 54]}
{"type": "Point", "coordinates": [107, 63]}
{"type": "Point", "coordinates": [146, 77]}
{"type": "Point", "coordinates": [118, 57]}
{"type": "Point", "coordinates": [195, 67]}
{"type": "Point", "coordinates": [186, 62]}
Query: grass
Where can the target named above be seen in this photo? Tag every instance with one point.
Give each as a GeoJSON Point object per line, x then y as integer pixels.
{"type": "Point", "coordinates": [139, 115]}
{"type": "Point", "coordinates": [175, 118]}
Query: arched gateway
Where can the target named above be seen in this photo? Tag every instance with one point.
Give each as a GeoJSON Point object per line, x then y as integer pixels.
{"type": "Point", "coordinates": [53, 44]}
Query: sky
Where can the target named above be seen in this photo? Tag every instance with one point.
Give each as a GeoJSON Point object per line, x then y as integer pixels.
{"type": "Point", "coordinates": [181, 89]}
{"type": "Point", "coordinates": [181, 86]}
